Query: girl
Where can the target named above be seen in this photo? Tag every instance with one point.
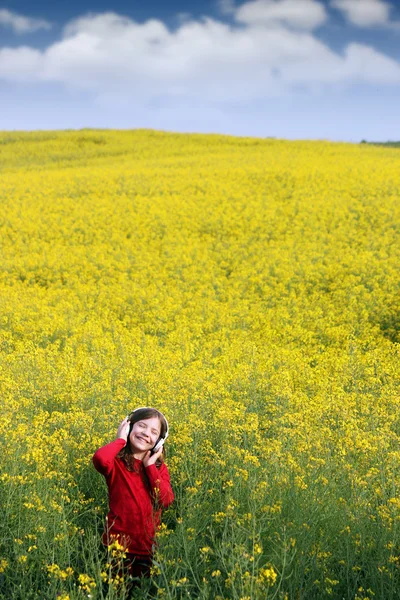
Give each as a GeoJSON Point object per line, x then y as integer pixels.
{"type": "Point", "coordinates": [138, 486]}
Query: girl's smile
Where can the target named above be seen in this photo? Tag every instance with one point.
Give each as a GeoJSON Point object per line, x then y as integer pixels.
{"type": "Point", "coordinates": [144, 436]}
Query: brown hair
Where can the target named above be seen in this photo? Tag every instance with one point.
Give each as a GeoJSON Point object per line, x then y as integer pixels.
{"type": "Point", "coordinates": [141, 414]}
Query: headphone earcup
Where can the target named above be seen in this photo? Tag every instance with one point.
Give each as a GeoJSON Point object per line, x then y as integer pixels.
{"type": "Point", "coordinates": [159, 444]}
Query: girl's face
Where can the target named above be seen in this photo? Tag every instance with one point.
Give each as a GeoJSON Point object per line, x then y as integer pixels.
{"type": "Point", "coordinates": [145, 434]}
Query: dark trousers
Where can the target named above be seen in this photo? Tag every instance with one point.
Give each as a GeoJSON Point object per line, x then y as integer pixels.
{"type": "Point", "coordinates": [137, 566]}
{"type": "Point", "coordinates": [132, 569]}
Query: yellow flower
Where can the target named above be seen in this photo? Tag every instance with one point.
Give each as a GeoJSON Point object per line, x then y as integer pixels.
{"type": "Point", "coordinates": [86, 582]}
{"type": "Point", "coordinates": [3, 565]}
{"type": "Point", "coordinates": [267, 575]}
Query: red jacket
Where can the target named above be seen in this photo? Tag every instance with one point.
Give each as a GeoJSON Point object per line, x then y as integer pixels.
{"type": "Point", "coordinates": [136, 499]}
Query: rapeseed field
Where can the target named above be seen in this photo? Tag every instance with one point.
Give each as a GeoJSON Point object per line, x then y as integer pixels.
{"type": "Point", "coordinates": [249, 289]}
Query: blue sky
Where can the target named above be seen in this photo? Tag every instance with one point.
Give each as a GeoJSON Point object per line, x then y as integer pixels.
{"type": "Point", "coordinates": [308, 69]}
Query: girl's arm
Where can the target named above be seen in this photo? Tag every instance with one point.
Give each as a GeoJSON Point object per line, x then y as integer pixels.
{"type": "Point", "coordinates": [103, 459]}
{"type": "Point", "coordinates": [160, 484]}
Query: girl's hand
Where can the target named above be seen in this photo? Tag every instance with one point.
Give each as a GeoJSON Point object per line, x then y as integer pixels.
{"type": "Point", "coordinates": [150, 459]}
{"type": "Point", "coordinates": [123, 429]}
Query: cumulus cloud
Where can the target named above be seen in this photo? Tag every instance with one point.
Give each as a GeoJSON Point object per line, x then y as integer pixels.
{"type": "Point", "coordinates": [226, 7]}
{"type": "Point", "coordinates": [360, 63]}
{"type": "Point", "coordinates": [20, 64]}
{"type": "Point", "coordinates": [21, 24]}
{"type": "Point", "coordinates": [208, 60]}
{"type": "Point", "coordinates": [364, 13]}
{"type": "Point", "coordinates": [300, 14]}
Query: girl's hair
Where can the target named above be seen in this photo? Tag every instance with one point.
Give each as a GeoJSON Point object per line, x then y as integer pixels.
{"type": "Point", "coordinates": [141, 414]}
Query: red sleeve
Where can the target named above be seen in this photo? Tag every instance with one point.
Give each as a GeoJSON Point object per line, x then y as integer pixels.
{"type": "Point", "coordinates": [103, 458]}
{"type": "Point", "coordinates": [160, 483]}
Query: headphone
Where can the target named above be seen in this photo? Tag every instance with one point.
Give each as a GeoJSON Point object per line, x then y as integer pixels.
{"type": "Point", "coordinates": [160, 442]}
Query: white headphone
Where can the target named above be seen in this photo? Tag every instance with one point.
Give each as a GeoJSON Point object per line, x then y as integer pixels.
{"type": "Point", "coordinates": [160, 442]}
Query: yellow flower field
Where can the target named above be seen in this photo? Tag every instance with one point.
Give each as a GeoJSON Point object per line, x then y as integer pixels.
{"type": "Point", "coordinates": [249, 289]}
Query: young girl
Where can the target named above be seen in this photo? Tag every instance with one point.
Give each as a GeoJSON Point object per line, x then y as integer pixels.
{"type": "Point", "coordinates": [138, 486]}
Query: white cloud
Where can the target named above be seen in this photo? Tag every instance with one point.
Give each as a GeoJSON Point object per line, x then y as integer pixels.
{"type": "Point", "coordinates": [299, 14]}
{"type": "Point", "coordinates": [110, 55]}
{"type": "Point", "coordinates": [20, 64]}
{"type": "Point", "coordinates": [360, 63]}
{"type": "Point", "coordinates": [364, 13]}
{"type": "Point", "coordinates": [226, 7]}
{"type": "Point", "coordinates": [362, 60]}
{"type": "Point", "coordinates": [21, 24]}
